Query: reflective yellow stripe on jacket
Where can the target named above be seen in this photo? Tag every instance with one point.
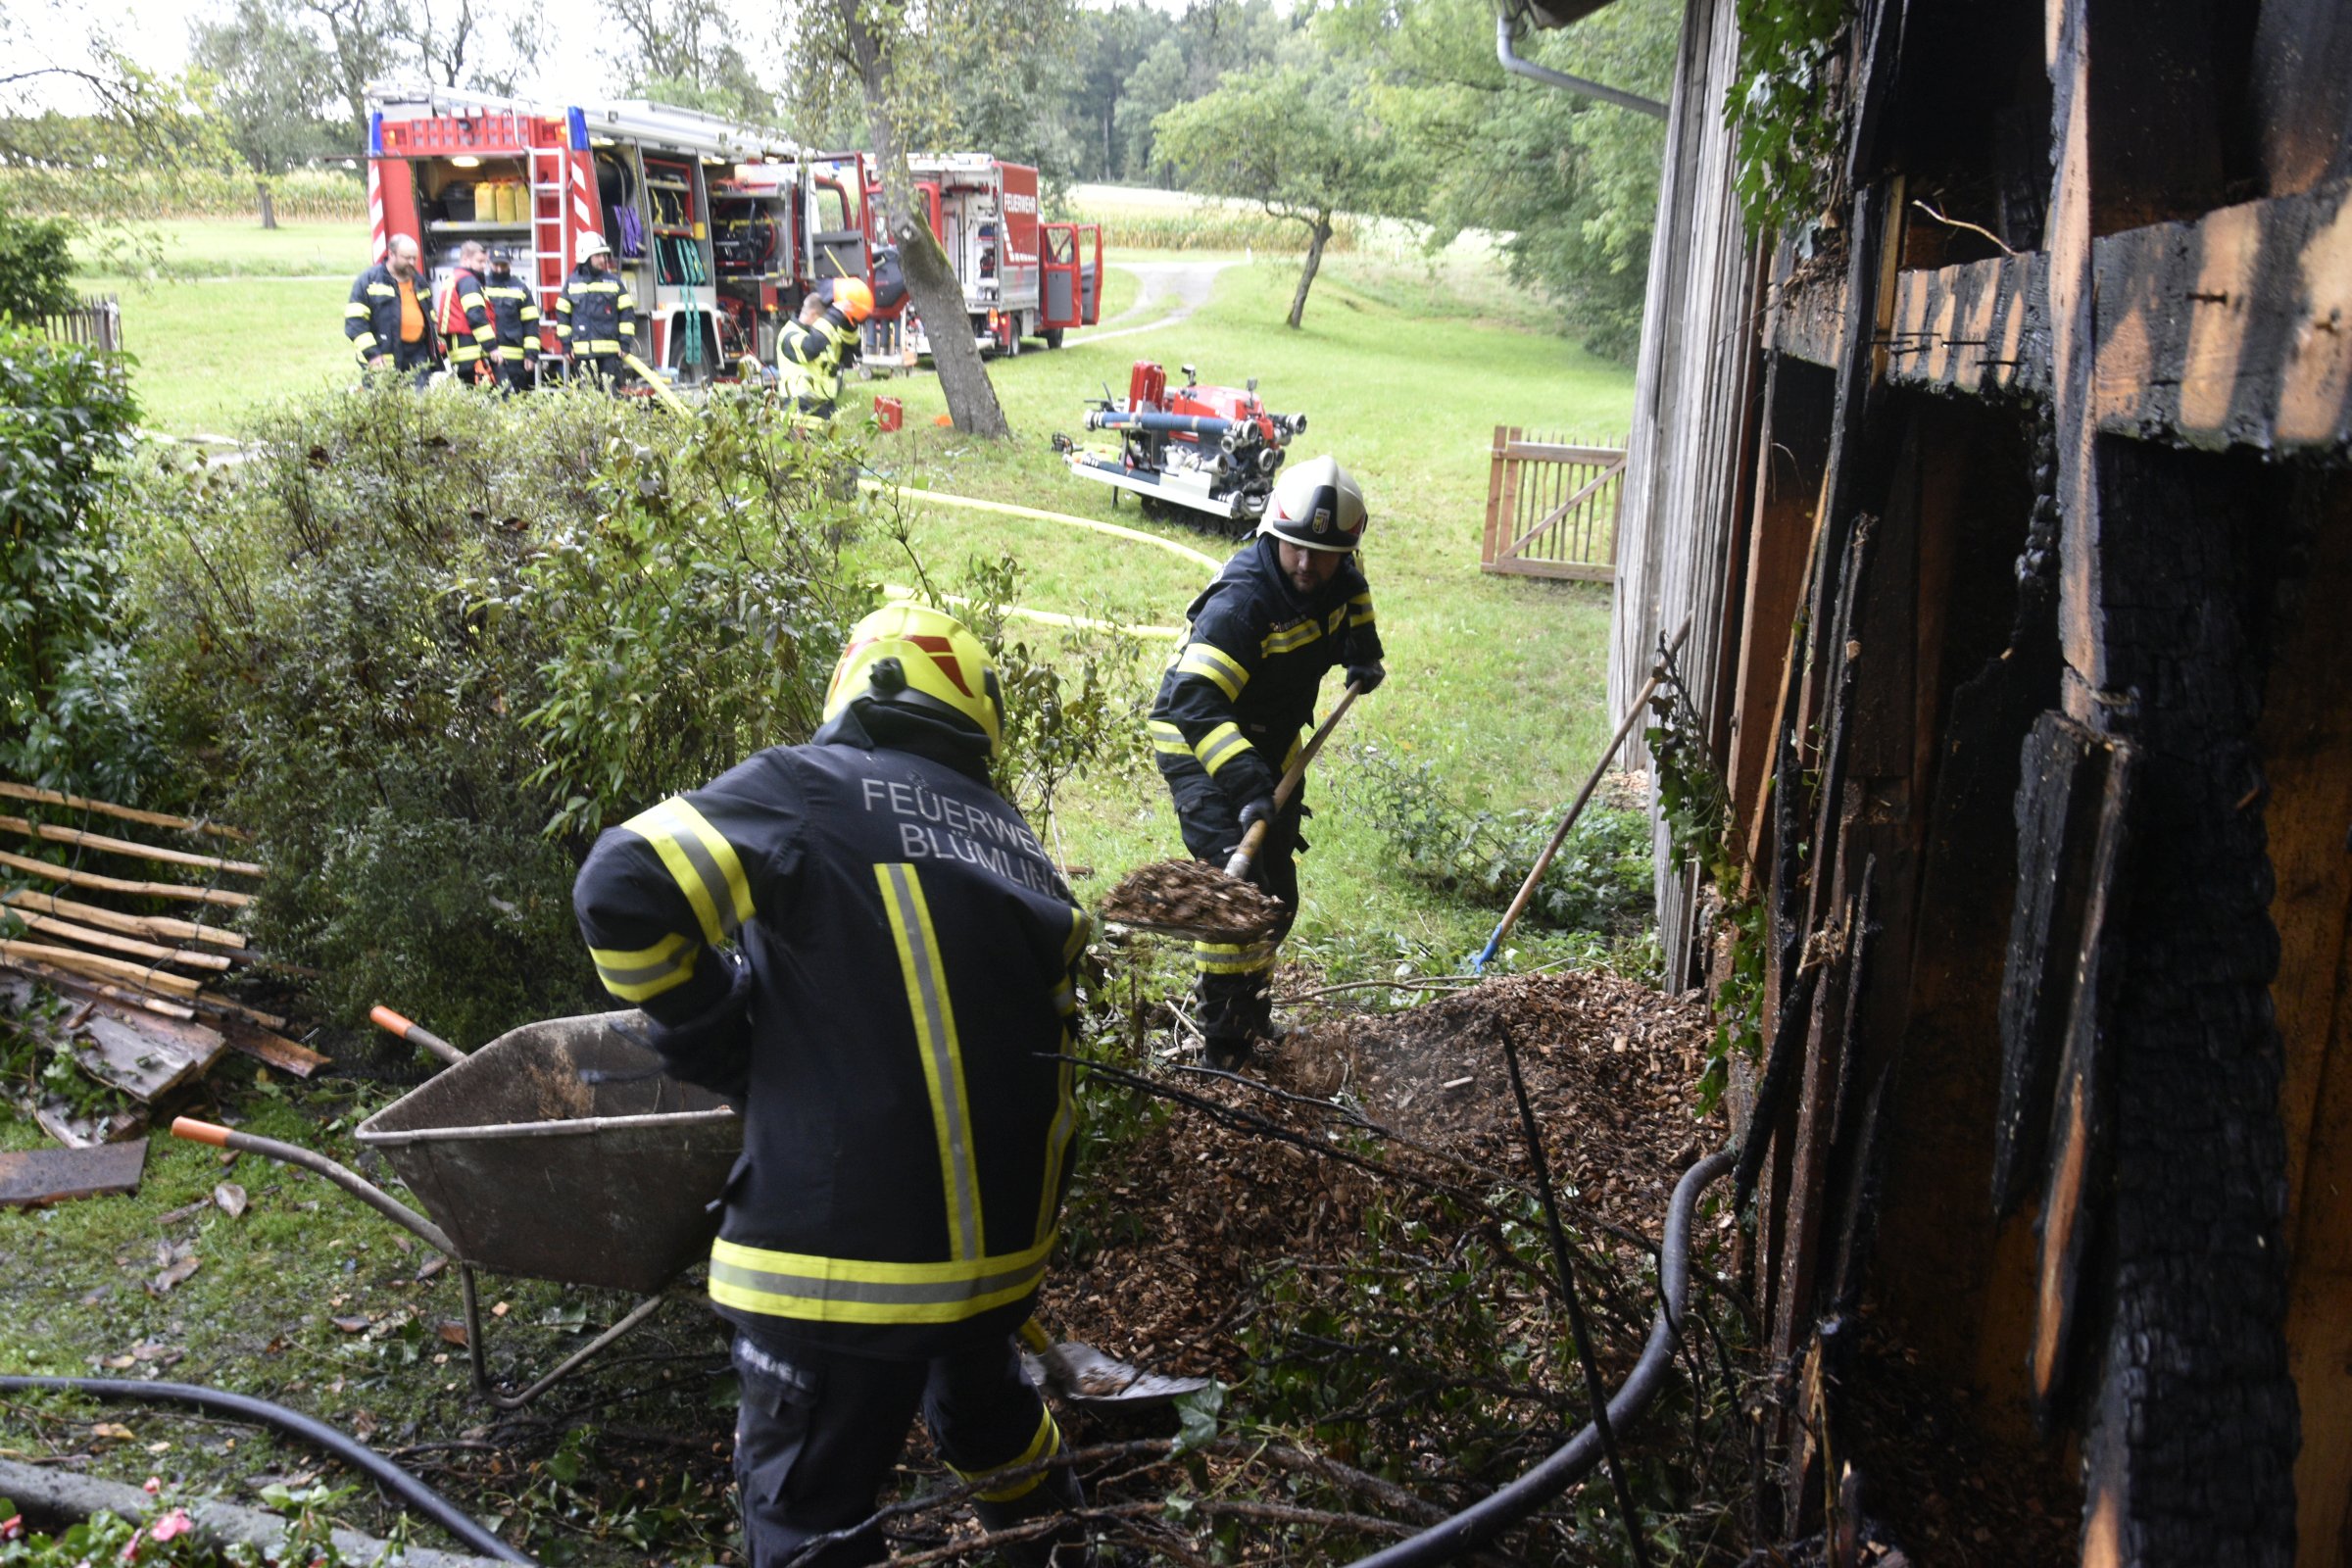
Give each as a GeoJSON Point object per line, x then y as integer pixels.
{"type": "Point", "coordinates": [842, 1289]}
{"type": "Point", "coordinates": [703, 864]}
{"type": "Point", "coordinates": [1066, 1105]}
{"type": "Point", "coordinates": [635, 974]}
{"type": "Point", "coordinates": [1215, 665]}
{"type": "Point", "coordinates": [928, 999]}
{"type": "Point", "coordinates": [1221, 746]}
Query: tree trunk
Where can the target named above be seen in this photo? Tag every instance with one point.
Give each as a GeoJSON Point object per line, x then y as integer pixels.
{"type": "Point", "coordinates": [1317, 232]}
{"type": "Point", "coordinates": [931, 285]}
{"type": "Point", "coordinates": [260, 188]}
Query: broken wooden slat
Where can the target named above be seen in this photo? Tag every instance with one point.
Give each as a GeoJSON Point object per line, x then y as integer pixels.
{"type": "Point", "coordinates": [114, 884]}
{"type": "Point", "coordinates": [55, 834]}
{"type": "Point", "coordinates": [83, 985]}
{"type": "Point", "coordinates": [221, 1006]}
{"type": "Point", "coordinates": [90, 964]}
{"type": "Point", "coordinates": [2072, 1199]}
{"type": "Point", "coordinates": [67, 930]}
{"type": "Point", "coordinates": [11, 790]}
{"type": "Point", "coordinates": [1981, 327]}
{"type": "Point", "coordinates": [33, 1177]}
{"type": "Point", "coordinates": [1808, 321]}
{"type": "Point", "coordinates": [274, 1048]}
{"type": "Point", "coordinates": [145, 1063]}
{"type": "Point", "coordinates": [154, 927]}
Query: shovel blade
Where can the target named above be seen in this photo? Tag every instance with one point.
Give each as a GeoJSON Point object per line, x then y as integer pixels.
{"type": "Point", "coordinates": [1079, 1373]}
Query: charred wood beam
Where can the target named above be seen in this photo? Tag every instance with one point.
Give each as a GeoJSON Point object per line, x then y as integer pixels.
{"type": "Point", "coordinates": [1807, 319]}
{"type": "Point", "coordinates": [1982, 327]}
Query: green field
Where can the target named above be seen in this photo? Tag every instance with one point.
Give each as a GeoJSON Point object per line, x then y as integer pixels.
{"type": "Point", "coordinates": [1404, 366]}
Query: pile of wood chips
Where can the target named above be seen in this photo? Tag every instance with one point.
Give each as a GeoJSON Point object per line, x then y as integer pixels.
{"type": "Point", "coordinates": [1215, 1211]}
{"type": "Point", "coordinates": [1187, 897]}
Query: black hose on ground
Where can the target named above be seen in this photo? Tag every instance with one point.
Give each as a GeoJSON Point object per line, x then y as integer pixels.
{"type": "Point", "coordinates": [1491, 1515]}
{"type": "Point", "coordinates": [244, 1408]}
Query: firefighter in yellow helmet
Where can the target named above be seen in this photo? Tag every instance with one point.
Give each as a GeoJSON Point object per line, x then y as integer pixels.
{"type": "Point", "coordinates": [596, 317]}
{"type": "Point", "coordinates": [865, 949]}
{"type": "Point", "coordinates": [817, 345]}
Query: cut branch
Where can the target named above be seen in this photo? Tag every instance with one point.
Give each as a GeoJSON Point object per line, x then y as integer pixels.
{"type": "Point", "coordinates": [55, 834]}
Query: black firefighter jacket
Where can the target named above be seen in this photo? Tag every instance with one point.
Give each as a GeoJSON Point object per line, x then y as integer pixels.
{"type": "Point", "coordinates": [595, 314]}
{"type": "Point", "coordinates": [514, 312]}
{"type": "Point", "coordinates": [371, 320]}
{"type": "Point", "coordinates": [908, 960]}
{"type": "Point", "coordinates": [1242, 682]}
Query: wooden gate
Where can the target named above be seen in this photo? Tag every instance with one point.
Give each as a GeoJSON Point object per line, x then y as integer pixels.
{"type": "Point", "coordinates": [1552, 508]}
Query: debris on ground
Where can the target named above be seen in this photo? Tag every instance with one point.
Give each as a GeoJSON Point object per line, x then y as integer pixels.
{"type": "Point", "coordinates": [35, 1177]}
{"type": "Point", "coordinates": [1189, 896]}
{"type": "Point", "coordinates": [1609, 1065]}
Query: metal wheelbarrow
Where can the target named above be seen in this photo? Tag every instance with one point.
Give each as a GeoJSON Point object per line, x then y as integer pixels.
{"type": "Point", "coordinates": [558, 1152]}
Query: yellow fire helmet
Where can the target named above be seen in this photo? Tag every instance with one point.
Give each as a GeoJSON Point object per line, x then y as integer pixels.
{"type": "Point", "coordinates": [915, 657]}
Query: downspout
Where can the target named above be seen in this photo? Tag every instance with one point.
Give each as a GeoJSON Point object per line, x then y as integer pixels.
{"type": "Point", "coordinates": [1507, 29]}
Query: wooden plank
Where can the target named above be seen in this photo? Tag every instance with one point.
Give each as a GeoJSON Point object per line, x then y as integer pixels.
{"type": "Point", "coordinates": [2301, 85]}
{"type": "Point", "coordinates": [132, 947]}
{"type": "Point", "coordinates": [155, 928]}
{"type": "Point", "coordinates": [90, 964]}
{"type": "Point", "coordinates": [1981, 327]}
{"type": "Point", "coordinates": [278, 1052]}
{"type": "Point", "coordinates": [145, 1063]}
{"type": "Point", "coordinates": [57, 834]}
{"type": "Point", "coordinates": [10, 789]}
{"type": "Point", "coordinates": [35, 1177]}
{"type": "Point", "coordinates": [111, 884]}
{"type": "Point", "coordinates": [1808, 318]}
{"type": "Point", "coordinates": [82, 985]}
{"type": "Point", "coordinates": [1529, 451]}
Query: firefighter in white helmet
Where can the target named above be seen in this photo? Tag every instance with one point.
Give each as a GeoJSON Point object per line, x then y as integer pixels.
{"type": "Point", "coordinates": [596, 320]}
{"type": "Point", "coordinates": [1237, 702]}
{"type": "Point", "coordinates": [864, 946]}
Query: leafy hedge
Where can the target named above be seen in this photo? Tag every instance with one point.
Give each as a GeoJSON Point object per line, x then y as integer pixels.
{"type": "Point", "coordinates": [426, 647]}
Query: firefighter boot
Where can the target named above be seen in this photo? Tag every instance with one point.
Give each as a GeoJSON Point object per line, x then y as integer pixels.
{"type": "Point", "coordinates": [1064, 1546]}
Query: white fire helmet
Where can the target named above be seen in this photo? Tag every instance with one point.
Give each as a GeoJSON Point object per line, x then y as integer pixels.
{"type": "Point", "coordinates": [1317, 506]}
{"type": "Point", "coordinates": [589, 248]}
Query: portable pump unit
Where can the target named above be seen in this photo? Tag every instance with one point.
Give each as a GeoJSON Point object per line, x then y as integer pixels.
{"type": "Point", "coordinates": [1210, 449]}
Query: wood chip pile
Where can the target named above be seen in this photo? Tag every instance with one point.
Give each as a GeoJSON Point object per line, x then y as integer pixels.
{"type": "Point", "coordinates": [1187, 896]}
{"type": "Point", "coordinates": [1210, 1213]}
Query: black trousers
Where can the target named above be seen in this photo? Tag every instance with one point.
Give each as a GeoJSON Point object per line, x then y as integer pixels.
{"type": "Point", "coordinates": [1232, 982]}
{"type": "Point", "coordinates": [604, 369]}
{"type": "Point", "coordinates": [816, 1435]}
{"type": "Point", "coordinates": [517, 375]}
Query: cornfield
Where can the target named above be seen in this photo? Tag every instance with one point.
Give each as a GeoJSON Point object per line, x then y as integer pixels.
{"type": "Point", "coordinates": [1209, 230]}
{"type": "Point", "coordinates": [324, 195]}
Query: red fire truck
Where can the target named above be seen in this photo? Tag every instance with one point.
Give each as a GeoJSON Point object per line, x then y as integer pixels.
{"type": "Point", "coordinates": [1021, 278]}
{"type": "Point", "coordinates": [718, 227]}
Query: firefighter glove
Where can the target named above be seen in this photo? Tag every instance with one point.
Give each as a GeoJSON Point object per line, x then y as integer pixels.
{"type": "Point", "coordinates": [1260, 809]}
{"type": "Point", "coordinates": [1368, 676]}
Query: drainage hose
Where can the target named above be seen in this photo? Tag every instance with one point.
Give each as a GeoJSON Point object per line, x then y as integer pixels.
{"type": "Point", "coordinates": [1491, 1516]}
{"type": "Point", "coordinates": [244, 1407]}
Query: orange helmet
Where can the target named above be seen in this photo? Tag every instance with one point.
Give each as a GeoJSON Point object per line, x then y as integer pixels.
{"type": "Point", "coordinates": [854, 297]}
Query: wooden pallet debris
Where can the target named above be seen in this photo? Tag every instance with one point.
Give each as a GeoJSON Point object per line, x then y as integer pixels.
{"type": "Point", "coordinates": [33, 1177]}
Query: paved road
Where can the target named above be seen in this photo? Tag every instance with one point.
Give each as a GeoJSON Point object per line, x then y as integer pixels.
{"type": "Point", "coordinates": [1171, 291]}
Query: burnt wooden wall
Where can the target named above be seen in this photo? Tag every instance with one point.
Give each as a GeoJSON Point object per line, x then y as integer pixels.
{"type": "Point", "coordinates": [2018, 532]}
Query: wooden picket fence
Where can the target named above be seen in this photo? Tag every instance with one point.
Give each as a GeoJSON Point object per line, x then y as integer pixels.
{"type": "Point", "coordinates": [1552, 508]}
{"type": "Point", "coordinates": [95, 323]}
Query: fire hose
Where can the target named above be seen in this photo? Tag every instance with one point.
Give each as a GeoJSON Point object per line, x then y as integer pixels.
{"type": "Point", "coordinates": [412, 1491]}
{"type": "Point", "coordinates": [1491, 1516]}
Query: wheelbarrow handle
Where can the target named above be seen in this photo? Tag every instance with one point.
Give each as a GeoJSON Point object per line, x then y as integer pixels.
{"type": "Point", "coordinates": [1255, 838]}
{"type": "Point", "coordinates": [343, 1176]}
{"type": "Point", "coordinates": [416, 1034]}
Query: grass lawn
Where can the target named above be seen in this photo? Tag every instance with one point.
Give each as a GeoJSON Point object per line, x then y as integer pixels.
{"type": "Point", "coordinates": [1403, 367]}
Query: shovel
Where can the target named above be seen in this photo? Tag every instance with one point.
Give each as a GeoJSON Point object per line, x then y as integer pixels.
{"type": "Point", "coordinates": [1141, 896]}
{"type": "Point", "coordinates": [1080, 1374]}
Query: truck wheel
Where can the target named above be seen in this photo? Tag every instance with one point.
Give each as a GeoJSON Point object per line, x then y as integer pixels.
{"type": "Point", "coordinates": [1053, 337]}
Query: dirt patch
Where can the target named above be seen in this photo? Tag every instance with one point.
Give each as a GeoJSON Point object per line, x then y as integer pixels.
{"type": "Point", "coordinates": [1176, 1241]}
{"type": "Point", "coordinates": [1187, 896]}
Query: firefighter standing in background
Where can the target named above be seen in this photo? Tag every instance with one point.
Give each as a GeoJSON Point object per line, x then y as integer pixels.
{"type": "Point", "coordinates": [1235, 702]}
{"type": "Point", "coordinates": [467, 326]}
{"type": "Point", "coordinates": [891, 1029]}
{"type": "Point", "coordinates": [515, 314]}
{"type": "Point", "coordinates": [596, 320]}
{"type": "Point", "coordinates": [816, 347]}
{"type": "Point", "coordinates": [389, 322]}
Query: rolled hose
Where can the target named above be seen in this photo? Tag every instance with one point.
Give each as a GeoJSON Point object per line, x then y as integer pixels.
{"type": "Point", "coordinates": [244, 1408]}
{"type": "Point", "coordinates": [1491, 1515]}
{"type": "Point", "coordinates": [1165, 424]}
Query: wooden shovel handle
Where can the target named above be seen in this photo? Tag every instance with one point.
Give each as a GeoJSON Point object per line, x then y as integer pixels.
{"type": "Point", "coordinates": [1255, 838]}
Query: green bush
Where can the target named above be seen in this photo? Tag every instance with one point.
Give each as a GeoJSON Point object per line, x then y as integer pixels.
{"type": "Point", "coordinates": [1600, 881]}
{"type": "Point", "coordinates": [36, 266]}
{"type": "Point", "coordinates": [425, 647]}
{"type": "Point", "coordinates": [65, 422]}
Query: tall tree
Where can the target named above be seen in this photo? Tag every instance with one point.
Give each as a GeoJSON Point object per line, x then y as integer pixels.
{"type": "Point", "coordinates": [363, 38]}
{"type": "Point", "coordinates": [683, 52]}
{"type": "Point", "coordinates": [270, 82]}
{"type": "Point", "coordinates": [1296, 142]}
{"type": "Point", "coordinates": [1158, 82]}
{"type": "Point", "coordinates": [896, 57]}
